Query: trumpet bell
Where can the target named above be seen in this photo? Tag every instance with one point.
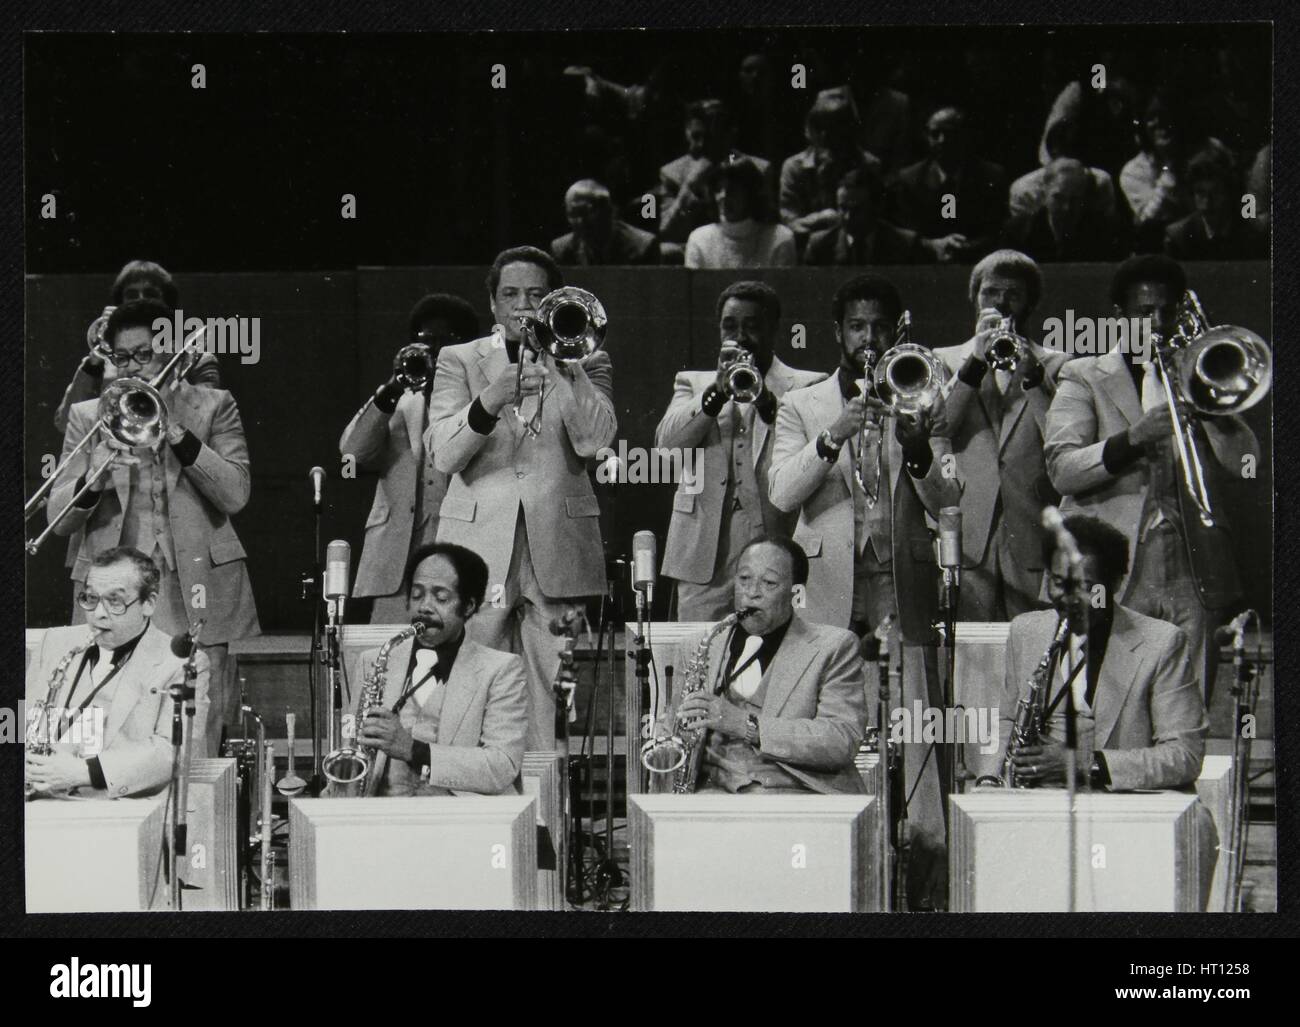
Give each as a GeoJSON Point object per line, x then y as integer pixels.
{"type": "Point", "coordinates": [909, 379]}
{"type": "Point", "coordinates": [133, 412]}
{"type": "Point", "coordinates": [570, 323]}
{"type": "Point", "coordinates": [413, 366]}
{"type": "Point", "coordinates": [744, 381]}
{"type": "Point", "coordinates": [1225, 370]}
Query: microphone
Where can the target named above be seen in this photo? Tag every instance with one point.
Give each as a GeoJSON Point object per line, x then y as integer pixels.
{"type": "Point", "coordinates": [644, 558]}
{"type": "Point", "coordinates": [182, 645]}
{"type": "Point", "coordinates": [317, 476]}
{"type": "Point", "coordinates": [950, 538]}
{"type": "Point", "coordinates": [338, 559]}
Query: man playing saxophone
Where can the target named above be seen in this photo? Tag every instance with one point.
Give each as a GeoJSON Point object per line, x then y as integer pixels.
{"type": "Point", "coordinates": [454, 713]}
{"type": "Point", "coordinates": [1129, 680]}
{"type": "Point", "coordinates": [782, 700]}
{"type": "Point", "coordinates": [107, 729]}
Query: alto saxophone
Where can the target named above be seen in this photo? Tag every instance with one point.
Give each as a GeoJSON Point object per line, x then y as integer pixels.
{"type": "Point", "coordinates": [39, 739]}
{"type": "Point", "coordinates": [349, 768]}
{"type": "Point", "coordinates": [1029, 710]}
{"type": "Point", "coordinates": [674, 760]}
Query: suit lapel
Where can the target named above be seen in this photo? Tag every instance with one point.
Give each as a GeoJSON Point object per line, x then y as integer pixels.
{"type": "Point", "coordinates": [128, 689]}
{"type": "Point", "coordinates": [1119, 669]}
{"type": "Point", "coordinates": [1119, 385]}
{"type": "Point", "coordinates": [412, 407]}
{"type": "Point", "coordinates": [461, 687]}
{"type": "Point", "coordinates": [787, 668]}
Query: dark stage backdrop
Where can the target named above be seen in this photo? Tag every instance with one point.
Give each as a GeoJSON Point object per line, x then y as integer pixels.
{"type": "Point", "coordinates": [328, 338]}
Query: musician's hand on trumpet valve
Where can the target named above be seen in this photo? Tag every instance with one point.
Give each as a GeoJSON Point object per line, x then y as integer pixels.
{"type": "Point", "coordinates": [714, 713]}
{"type": "Point", "coordinates": [383, 730]}
{"type": "Point", "coordinates": [849, 423]}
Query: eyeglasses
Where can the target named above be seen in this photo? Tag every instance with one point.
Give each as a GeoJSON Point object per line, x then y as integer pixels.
{"type": "Point", "coordinates": [1063, 584]}
{"type": "Point", "coordinates": [89, 600]}
{"type": "Point", "coordinates": [123, 358]}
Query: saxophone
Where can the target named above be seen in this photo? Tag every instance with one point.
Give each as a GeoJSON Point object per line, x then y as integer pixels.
{"type": "Point", "coordinates": [1029, 710]}
{"type": "Point", "coordinates": [674, 760]}
{"type": "Point", "coordinates": [39, 739]}
{"type": "Point", "coordinates": [349, 767]}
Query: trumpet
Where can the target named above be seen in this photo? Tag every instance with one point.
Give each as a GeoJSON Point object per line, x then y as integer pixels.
{"type": "Point", "coordinates": [132, 413]}
{"type": "Point", "coordinates": [908, 379]}
{"type": "Point", "coordinates": [744, 379]}
{"type": "Point", "coordinates": [569, 324]}
{"type": "Point", "coordinates": [1007, 346]}
{"type": "Point", "coordinates": [1215, 370]}
{"type": "Point", "coordinates": [413, 366]}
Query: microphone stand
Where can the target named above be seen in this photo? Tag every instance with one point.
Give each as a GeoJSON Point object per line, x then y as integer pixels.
{"type": "Point", "coordinates": [311, 592]}
{"type": "Point", "coordinates": [955, 769]}
{"type": "Point", "coordinates": [885, 785]}
{"type": "Point", "coordinates": [608, 874]}
{"type": "Point", "coordinates": [1245, 690]}
{"type": "Point", "coordinates": [564, 688]}
{"type": "Point", "coordinates": [182, 695]}
{"type": "Point", "coordinates": [645, 705]}
{"type": "Point", "coordinates": [1071, 793]}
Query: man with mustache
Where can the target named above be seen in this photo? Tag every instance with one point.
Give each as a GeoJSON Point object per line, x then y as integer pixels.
{"type": "Point", "coordinates": [455, 713]}
{"type": "Point", "coordinates": [872, 565]}
{"type": "Point", "coordinates": [709, 530]}
{"type": "Point", "coordinates": [784, 704]}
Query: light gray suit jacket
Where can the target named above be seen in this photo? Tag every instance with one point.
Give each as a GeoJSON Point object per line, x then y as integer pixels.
{"type": "Point", "coordinates": [476, 745]}
{"type": "Point", "coordinates": [201, 499]}
{"type": "Point", "coordinates": [692, 546]}
{"type": "Point", "coordinates": [824, 496]}
{"type": "Point", "coordinates": [493, 476]}
{"type": "Point", "coordinates": [136, 753]}
{"type": "Point", "coordinates": [814, 713]}
{"type": "Point", "coordinates": [1151, 723]}
{"type": "Point", "coordinates": [1006, 461]}
{"type": "Point", "coordinates": [393, 446]}
{"type": "Point", "coordinates": [1095, 399]}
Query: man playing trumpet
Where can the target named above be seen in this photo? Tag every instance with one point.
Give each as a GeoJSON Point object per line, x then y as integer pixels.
{"type": "Point", "coordinates": [729, 413]}
{"type": "Point", "coordinates": [172, 500]}
{"type": "Point", "coordinates": [387, 436]}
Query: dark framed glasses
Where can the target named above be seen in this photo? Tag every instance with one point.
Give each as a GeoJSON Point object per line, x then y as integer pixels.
{"type": "Point", "coordinates": [115, 605]}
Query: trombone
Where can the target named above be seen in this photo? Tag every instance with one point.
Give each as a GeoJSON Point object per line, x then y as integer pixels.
{"type": "Point", "coordinates": [131, 412]}
{"type": "Point", "coordinates": [908, 379]}
{"type": "Point", "coordinates": [569, 324]}
{"type": "Point", "coordinates": [1216, 370]}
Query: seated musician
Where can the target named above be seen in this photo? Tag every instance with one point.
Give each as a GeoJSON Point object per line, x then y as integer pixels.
{"type": "Point", "coordinates": [455, 713]}
{"type": "Point", "coordinates": [110, 722]}
{"type": "Point", "coordinates": [1140, 720]}
{"type": "Point", "coordinates": [784, 699]}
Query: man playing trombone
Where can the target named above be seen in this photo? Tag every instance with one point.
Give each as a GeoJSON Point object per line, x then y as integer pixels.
{"type": "Point", "coordinates": [868, 480]}
{"type": "Point", "coordinates": [387, 436]}
{"type": "Point", "coordinates": [171, 499]}
{"type": "Point", "coordinates": [1111, 452]}
{"type": "Point", "coordinates": [513, 431]}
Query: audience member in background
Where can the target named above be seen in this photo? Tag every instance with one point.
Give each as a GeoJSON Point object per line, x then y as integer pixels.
{"type": "Point", "coordinates": [1067, 226]}
{"type": "Point", "coordinates": [742, 236]}
{"type": "Point", "coordinates": [954, 199]}
{"type": "Point", "coordinates": [810, 177]}
{"type": "Point", "coordinates": [1030, 190]}
{"type": "Point", "coordinates": [1259, 184]}
{"type": "Point", "coordinates": [598, 237]}
{"type": "Point", "coordinates": [861, 237]}
{"type": "Point", "coordinates": [1215, 230]}
{"type": "Point", "coordinates": [884, 113]}
{"type": "Point", "coordinates": [1102, 118]}
{"type": "Point", "coordinates": [766, 108]}
{"type": "Point", "coordinates": [686, 184]}
{"type": "Point", "coordinates": [1154, 182]}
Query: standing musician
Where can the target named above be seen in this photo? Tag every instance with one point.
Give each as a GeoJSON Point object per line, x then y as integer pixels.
{"type": "Point", "coordinates": [785, 699]}
{"type": "Point", "coordinates": [872, 561]}
{"type": "Point", "coordinates": [173, 502]}
{"type": "Point", "coordinates": [995, 412]}
{"type": "Point", "coordinates": [526, 502]}
{"type": "Point", "coordinates": [1110, 452]}
{"type": "Point", "coordinates": [387, 436]}
{"type": "Point", "coordinates": [1131, 680]}
{"type": "Point", "coordinates": [138, 280]}
{"type": "Point", "coordinates": [455, 720]}
{"type": "Point", "coordinates": [709, 529]}
{"type": "Point", "coordinates": [110, 723]}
